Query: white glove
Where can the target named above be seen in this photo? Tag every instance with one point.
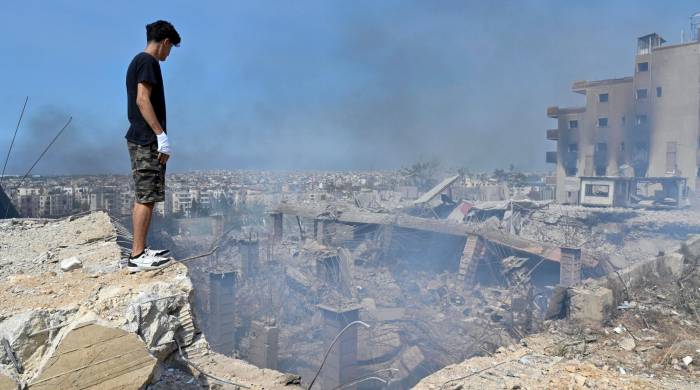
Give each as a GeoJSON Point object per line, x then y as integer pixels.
{"type": "Point", "coordinates": [163, 144]}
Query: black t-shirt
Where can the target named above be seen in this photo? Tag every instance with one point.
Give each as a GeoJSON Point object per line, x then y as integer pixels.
{"type": "Point", "coordinates": [144, 68]}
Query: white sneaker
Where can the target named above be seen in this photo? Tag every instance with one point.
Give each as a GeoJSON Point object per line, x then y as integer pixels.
{"type": "Point", "coordinates": [157, 252]}
{"type": "Point", "coordinates": [146, 262]}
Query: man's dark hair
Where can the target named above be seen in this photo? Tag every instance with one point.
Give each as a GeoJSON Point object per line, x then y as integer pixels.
{"type": "Point", "coordinates": [159, 30]}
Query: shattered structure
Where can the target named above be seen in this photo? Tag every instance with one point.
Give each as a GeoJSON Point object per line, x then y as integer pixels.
{"type": "Point", "coordinates": [71, 318]}
{"type": "Point", "coordinates": [353, 295]}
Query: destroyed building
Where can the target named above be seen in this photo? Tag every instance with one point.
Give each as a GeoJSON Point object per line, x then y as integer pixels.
{"type": "Point", "coordinates": [640, 127]}
{"type": "Point", "coordinates": [437, 280]}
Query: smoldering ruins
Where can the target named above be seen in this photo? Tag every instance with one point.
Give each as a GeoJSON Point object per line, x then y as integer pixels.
{"type": "Point", "coordinates": [427, 277]}
{"type": "Point", "coordinates": [407, 287]}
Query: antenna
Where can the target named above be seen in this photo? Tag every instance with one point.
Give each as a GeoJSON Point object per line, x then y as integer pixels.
{"type": "Point", "coordinates": [7, 210]}
{"type": "Point", "coordinates": [7, 158]}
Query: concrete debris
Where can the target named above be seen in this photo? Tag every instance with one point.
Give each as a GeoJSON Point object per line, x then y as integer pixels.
{"type": "Point", "coordinates": [656, 335]}
{"type": "Point", "coordinates": [99, 328]}
{"type": "Point", "coordinates": [70, 264]}
{"type": "Point", "coordinates": [627, 344]}
{"type": "Point", "coordinates": [457, 295]}
{"type": "Point", "coordinates": [97, 356]}
{"type": "Point", "coordinates": [7, 383]}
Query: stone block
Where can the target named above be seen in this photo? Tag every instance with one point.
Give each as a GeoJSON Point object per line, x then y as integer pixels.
{"type": "Point", "coordinates": [70, 264]}
{"type": "Point", "coordinates": [590, 305]}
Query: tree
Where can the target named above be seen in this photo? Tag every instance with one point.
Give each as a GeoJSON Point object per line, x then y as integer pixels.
{"type": "Point", "coordinates": [421, 174]}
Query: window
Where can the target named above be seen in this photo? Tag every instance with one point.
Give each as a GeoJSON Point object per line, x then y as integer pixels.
{"type": "Point", "coordinates": [573, 148]}
{"type": "Point", "coordinates": [642, 67]}
{"type": "Point", "coordinates": [641, 93]}
{"type": "Point", "coordinates": [603, 97]}
{"type": "Point", "coordinates": [573, 124]}
{"type": "Point", "coordinates": [571, 171]}
{"type": "Point", "coordinates": [642, 120]}
{"type": "Point", "coordinates": [659, 92]}
{"type": "Point", "coordinates": [601, 147]}
{"type": "Point", "coordinates": [598, 190]}
{"type": "Point", "coordinates": [600, 171]}
{"type": "Point", "coordinates": [602, 122]}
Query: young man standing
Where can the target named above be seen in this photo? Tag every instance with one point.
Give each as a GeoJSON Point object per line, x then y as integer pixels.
{"type": "Point", "coordinates": [149, 148]}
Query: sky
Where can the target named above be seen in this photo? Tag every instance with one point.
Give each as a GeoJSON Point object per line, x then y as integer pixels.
{"type": "Point", "coordinates": [315, 85]}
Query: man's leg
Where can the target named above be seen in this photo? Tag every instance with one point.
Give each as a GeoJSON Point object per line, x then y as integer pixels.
{"type": "Point", "coordinates": [141, 219]}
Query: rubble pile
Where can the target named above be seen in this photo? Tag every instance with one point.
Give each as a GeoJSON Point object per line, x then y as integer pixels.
{"type": "Point", "coordinates": [420, 320]}
{"type": "Point", "coordinates": [69, 314]}
{"type": "Point", "coordinates": [651, 341]}
{"type": "Point", "coordinates": [618, 236]}
{"type": "Point", "coordinates": [442, 281]}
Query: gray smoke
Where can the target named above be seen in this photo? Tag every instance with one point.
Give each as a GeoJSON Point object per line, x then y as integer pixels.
{"type": "Point", "coordinates": [367, 86]}
{"type": "Point", "coordinates": [81, 149]}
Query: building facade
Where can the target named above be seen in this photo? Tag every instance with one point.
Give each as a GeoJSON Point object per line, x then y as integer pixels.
{"type": "Point", "coordinates": [643, 126]}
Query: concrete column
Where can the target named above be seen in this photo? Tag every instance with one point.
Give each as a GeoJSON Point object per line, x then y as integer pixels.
{"type": "Point", "coordinates": [277, 226]}
{"type": "Point", "coordinates": [220, 323]}
{"type": "Point", "coordinates": [473, 248]}
{"type": "Point", "coordinates": [250, 256]}
{"type": "Point", "coordinates": [324, 230]}
{"type": "Point", "coordinates": [341, 366]}
{"type": "Point", "coordinates": [217, 225]}
{"type": "Point", "coordinates": [264, 344]}
{"type": "Point", "coordinates": [386, 235]}
{"type": "Point", "coordinates": [570, 267]}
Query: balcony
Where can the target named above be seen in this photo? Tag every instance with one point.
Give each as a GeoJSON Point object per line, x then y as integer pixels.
{"type": "Point", "coordinates": [553, 134]}
{"type": "Point", "coordinates": [556, 111]}
{"type": "Point", "coordinates": [553, 112]}
{"type": "Point", "coordinates": [551, 157]}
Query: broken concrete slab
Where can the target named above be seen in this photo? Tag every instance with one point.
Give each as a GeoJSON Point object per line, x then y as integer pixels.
{"type": "Point", "coordinates": [29, 333]}
{"type": "Point", "coordinates": [95, 356]}
{"type": "Point", "coordinates": [670, 264]}
{"type": "Point", "coordinates": [591, 305]}
{"type": "Point", "coordinates": [7, 383]}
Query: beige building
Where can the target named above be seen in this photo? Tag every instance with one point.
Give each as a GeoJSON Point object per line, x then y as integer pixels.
{"type": "Point", "coordinates": [644, 126]}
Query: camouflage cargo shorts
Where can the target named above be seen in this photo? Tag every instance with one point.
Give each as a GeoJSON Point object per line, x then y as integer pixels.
{"type": "Point", "coordinates": [148, 173]}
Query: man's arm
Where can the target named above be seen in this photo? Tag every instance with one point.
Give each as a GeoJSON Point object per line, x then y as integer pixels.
{"type": "Point", "coordinates": [143, 102]}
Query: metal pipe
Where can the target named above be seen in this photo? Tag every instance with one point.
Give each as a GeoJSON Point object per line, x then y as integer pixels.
{"type": "Point", "coordinates": [328, 351]}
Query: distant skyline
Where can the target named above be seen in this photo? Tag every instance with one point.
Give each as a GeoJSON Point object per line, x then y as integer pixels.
{"type": "Point", "coordinates": [315, 85]}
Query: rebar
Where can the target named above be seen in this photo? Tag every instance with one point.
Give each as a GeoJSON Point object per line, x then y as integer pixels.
{"type": "Point", "coordinates": [328, 351]}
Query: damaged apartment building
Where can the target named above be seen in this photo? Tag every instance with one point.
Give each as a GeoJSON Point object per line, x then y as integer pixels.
{"type": "Point", "coordinates": [635, 142]}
